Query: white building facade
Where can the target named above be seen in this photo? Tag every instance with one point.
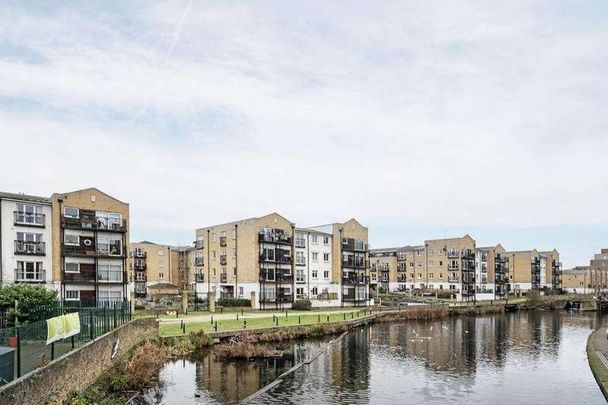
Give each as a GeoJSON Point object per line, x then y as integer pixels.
{"type": "Point", "coordinates": [26, 253]}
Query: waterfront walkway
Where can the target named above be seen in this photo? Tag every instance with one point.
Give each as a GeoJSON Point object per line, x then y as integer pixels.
{"type": "Point", "coordinates": [597, 354]}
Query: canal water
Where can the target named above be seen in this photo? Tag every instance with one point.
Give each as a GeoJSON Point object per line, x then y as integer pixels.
{"type": "Point", "coordinates": [517, 358]}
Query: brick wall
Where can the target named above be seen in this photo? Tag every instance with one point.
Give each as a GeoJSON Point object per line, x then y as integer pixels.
{"type": "Point", "coordinates": [78, 369]}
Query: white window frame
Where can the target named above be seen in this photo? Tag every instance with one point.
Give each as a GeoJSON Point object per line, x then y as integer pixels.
{"type": "Point", "coordinates": [65, 214]}
{"type": "Point", "coordinates": [72, 292]}
{"type": "Point", "coordinates": [65, 268]}
{"type": "Point", "coordinates": [65, 241]}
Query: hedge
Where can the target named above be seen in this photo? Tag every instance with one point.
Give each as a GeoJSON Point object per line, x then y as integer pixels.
{"type": "Point", "coordinates": [302, 305]}
{"type": "Point", "coordinates": [234, 302]}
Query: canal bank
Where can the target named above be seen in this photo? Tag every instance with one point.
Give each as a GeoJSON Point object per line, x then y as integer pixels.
{"type": "Point", "coordinates": [597, 355]}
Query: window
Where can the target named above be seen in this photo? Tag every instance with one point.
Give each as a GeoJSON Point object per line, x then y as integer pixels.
{"type": "Point", "coordinates": [161, 276]}
{"type": "Point", "coordinates": [430, 252]}
{"type": "Point", "coordinates": [234, 271]}
{"type": "Point", "coordinates": [71, 212]}
{"type": "Point", "coordinates": [139, 276]}
{"type": "Point", "coordinates": [72, 267]}
{"type": "Point", "coordinates": [72, 240]}
{"type": "Point", "coordinates": [161, 252]}
{"type": "Point", "coordinates": [326, 257]}
{"type": "Point", "coordinates": [29, 237]}
{"type": "Point", "coordinates": [29, 214]}
{"type": "Point", "coordinates": [71, 295]}
{"type": "Point", "coordinates": [314, 239]}
{"type": "Point", "coordinates": [430, 263]}
{"type": "Point", "coordinates": [110, 246]}
{"type": "Point", "coordinates": [161, 263]}
{"type": "Point", "coordinates": [315, 256]}
{"type": "Point", "coordinates": [213, 255]}
{"type": "Point", "coordinates": [430, 275]}
{"type": "Point", "coordinates": [109, 273]}
{"type": "Point", "coordinates": [108, 220]}
{"type": "Point", "coordinates": [233, 252]}
{"type": "Point", "coordinates": [269, 293]}
{"type": "Point", "coordinates": [241, 291]}
{"type": "Point", "coordinates": [110, 296]}
{"type": "Point", "coordinates": [300, 291]}
{"type": "Point", "coordinates": [300, 259]}
{"type": "Point", "coordinates": [314, 291]}
{"type": "Point", "coordinates": [326, 240]}
{"type": "Point", "coordinates": [326, 274]}
{"type": "Point", "coordinates": [440, 263]}
{"type": "Point", "coordinates": [213, 237]}
{"type": "Point", "coordinates": [315, 274]}
{"type": "Point", "coordinates": [29, 271]}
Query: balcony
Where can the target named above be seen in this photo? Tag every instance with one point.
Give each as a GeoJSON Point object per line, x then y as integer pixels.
{"type": "Point", "coordinates": [30, 248]}
{"type": "Point", "coordinates": [468, 254]}
{"type": "Point", "coordinates": [453, 267]}
{"type": "Point", "coordinates": [223, 241]}
{"type": "Point", "coordinates": [139, 265]}
{"type": "Point", "coordinates": [453, 280]}
{"type": "Point", "coordinates": [199, 261]}
{"type": "Point", "coordinates": [223, 260]}
{"type": "Point", "coordinates": [110, 252]}
{"type": "Point", "coordinates": [300, 242]}
{"type": "Point", "coordinates": [85, 275]}
{"type": "Point", "coordinates": [354, 263]}
{"type": "Point", "coordinates": [29, 219]}
{"type": "Point", "coordinates": [452, 254]}
{"type": "Point", "coordinates": [276, 258]}
{"type": "Point", "coordinates": [278, 277]}
{"type": "Point", "coordinates": [199, 277]}
{"type": "Point", "coordinates": [223, 278]}
{"type": "Point", "coordinates": [30, 276]}
{"type": "Point", "coordinates": [78, 250]}
{"type": "Point", "coordinates": [199, 244]}
{"type": "Point", "coordinates": [141, 276]}
{"type": "Point", "coordinates": [276, 236]}
{"type": "Point", "coordinates": [90, 222]}
{"type": "Point", "coordinates": [468, 266]}
{"type": "Point", "coordinates": [140, 254]}
{"type": "Point", "coordinates": [355, 280]}
{"type": "Point", "coordinates": [104, 276]}
{"type": "Point", "coordinates": [300, 261]}
{"type": "Point", "coordinates": [352, 245]}
{"type": "Point", "coordinates": [285, 298]}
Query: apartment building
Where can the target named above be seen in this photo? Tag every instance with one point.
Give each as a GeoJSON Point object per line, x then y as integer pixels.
{"type": "Point", "coordinates": [313, 268]}
{"type": "Point", "coordinates": [598, 267]}
{"type": "Point", "coordinates": [90, 243]}
{"type": "Point", "coordinates": [525, 270]}
{"type": "Point", "coordinates": [577, 280]}
{"type": "Point", "coordinates": [26, 249]}
{"type": "Point", "coordinates": [250, 258]}
{"type": "Point", "coordinates": [350, 260]}
{"type": "Point", "coordinates": [383, 269]}
{"type": "Point", "coordinates": [451, 265]}
{"type": "Point", "coordinates": [491, 272]}
{"type": "Point", "coordinates": [155, 268]}
{"type": "Point", "coordinates": [551, 270]}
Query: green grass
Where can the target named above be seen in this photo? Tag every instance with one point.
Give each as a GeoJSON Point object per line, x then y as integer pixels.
{"type": "Point", "coordinates": [224, 325]}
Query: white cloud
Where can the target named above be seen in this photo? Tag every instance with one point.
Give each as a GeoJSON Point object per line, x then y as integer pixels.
{"type": "Point", "coordinates": [442, 114]}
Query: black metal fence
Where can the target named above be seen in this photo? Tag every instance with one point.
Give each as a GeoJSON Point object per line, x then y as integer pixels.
{"type": "Point", "coordinates": [23, 348]}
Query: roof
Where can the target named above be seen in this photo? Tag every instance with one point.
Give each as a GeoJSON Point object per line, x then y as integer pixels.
{"type": "Point", "coordinates": [147, 242]}
{"type": "Point", "coordinates": [396, 249]}
{"type": "Point", "coordinates": [241, 220]}
{"type": "Point", "coordinates": [89, 189]}
{"type": "Point", "coordinates": [313, 231]}
{"type": "Point", "coordinates": [24, 197]}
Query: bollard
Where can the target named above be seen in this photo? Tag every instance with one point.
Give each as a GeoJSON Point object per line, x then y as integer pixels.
{"type": "Point", "coordinates": [242, 311]}
{"type": "Point", "coordinates": [327, 317]}
{"type": "Point", "coordinates": [344, 316]}
{"type": "Point", "coordinates": [285, 313]}
{"type": "Point", "coordinates": [299, 319]}
{"type": "Point", "coordinates": [52, 351]}
{"type": "Point", "coordinates": [215, 326]}
{"type": "Point", "coordinates": [211, 319]}
{"type": "Point", "coordinates": [244, 323]}
{"type": "Point", "coordinates": [176, 313]}
{"type": "Point", "coordinates": [352, 315]}
{"type": "Point", "coordinates": [72, 342]}
{"type": "Point", "coordinates": [319, 318]}
{"type": "Point", "coordinates": [237, 316]}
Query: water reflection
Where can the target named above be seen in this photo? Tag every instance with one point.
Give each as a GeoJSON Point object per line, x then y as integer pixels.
{"type": "Point", "coordinates": [524, 357]}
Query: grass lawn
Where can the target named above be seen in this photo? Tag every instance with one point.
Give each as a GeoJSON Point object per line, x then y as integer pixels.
{"type": "Point", "coordinates": [174, 329]}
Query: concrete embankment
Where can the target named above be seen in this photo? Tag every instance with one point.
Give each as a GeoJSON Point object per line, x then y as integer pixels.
{"type": "Point", "coordinates": [597, 355]}
{"type": "Point", "coordinates": [53, 383]}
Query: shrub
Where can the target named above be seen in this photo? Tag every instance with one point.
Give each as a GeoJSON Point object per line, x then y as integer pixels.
{"type": "Point", "coordinates": [444, 294]}
{"type": "Point", "coordinates": [142, 369]}
{"type": "Point", "coordinates": [200, 339]}
{"type": "Point", "coordinates": [35, 303]}
{"type": "Point", "coordinates": [302, 305]}
{"type": "Point", "coordinates": [534, 298]}
{"type": "Point", "coordinates": [234, 302]}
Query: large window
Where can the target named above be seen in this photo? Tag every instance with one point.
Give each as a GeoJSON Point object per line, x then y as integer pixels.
{"type": "Point", "coordinates": [109, 273]}
{"type": "Point", "coordinates": [72, 267]}
{"type": "Point", "coordinates": [72, 240]}
{"type": "Point", "coordinates": [71, 212]}
{"type": "Point", "coordinates": [111, 246]}
{"type": "Point", "coordinates": [269, 293]}
{"type": "Point", "coordinates": [29, 271]}
{"type": "Point", "coordinates": [72, 295]}
{"type": "Point", "coordinates": [108, 220]}
{"type": "Point", "coordinates": [110, 296]}
{"type": "Point", "coordinates": [29, 214]}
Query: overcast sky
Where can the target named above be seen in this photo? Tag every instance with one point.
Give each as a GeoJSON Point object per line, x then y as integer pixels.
{"type": "Point", "coordinates": [421, 119]}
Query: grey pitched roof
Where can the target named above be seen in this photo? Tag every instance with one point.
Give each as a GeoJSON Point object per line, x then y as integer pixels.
{"type": "Point", "coordinates": [24, 197]}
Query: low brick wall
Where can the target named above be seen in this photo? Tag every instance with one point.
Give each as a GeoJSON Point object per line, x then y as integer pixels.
{"type": "Point", "coordinates": [76, 370]}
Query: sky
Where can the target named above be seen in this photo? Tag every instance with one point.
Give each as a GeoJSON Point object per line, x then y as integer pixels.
{"type": "Point", "coordinates": [420, 119]}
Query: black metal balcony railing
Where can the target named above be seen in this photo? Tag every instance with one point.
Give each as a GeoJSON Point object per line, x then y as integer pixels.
{"type": "Point", "coordinates": [468, 254]}
{"type": "Point", "coordinates": [352, 245]}
{"type": "Point", "coordinates": [140, 254]}
{"type": "Point", "coordinates": [199, 261]}
{"type": "Point", "coordinates": [223, 260]}
{"type": "Point", "coordinates": [89, 222]}
{"type": "Point", "coordinates": [30, 276]}
{"type": "Point", "coordinates": [199, 244]}
{"type": "Point", "coordinates": [30, 248]}
{"type": "Point", "coordinates": [355, 280]}
{"type": "Point", "coordinates": [199, 277]}
{"type": "Point", "coordinates": [356, 263]}
{"type": "Point", "coordinates": [87, 276]}
{"type": "Point", "coordinates": [139, 266]}
{"type": "Point", "coordinates": [453, 267]}
{"type": "Point", "coordinates": [281, 278]}
{"type": "Point", "coordinates": [223, 278]}
{"type": "Point", "coordinates": [223, 241]}
{"type": "Point", "coordinates": [277, 236]}
{"type": "Point", "coordinates": [141, 276]}
{"type": "Point", "coordinates": [276, 258]}
{"type": "Point", "coordinates": [468, 266]}
{"type": "Point", "coordinates": [29, 219]}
